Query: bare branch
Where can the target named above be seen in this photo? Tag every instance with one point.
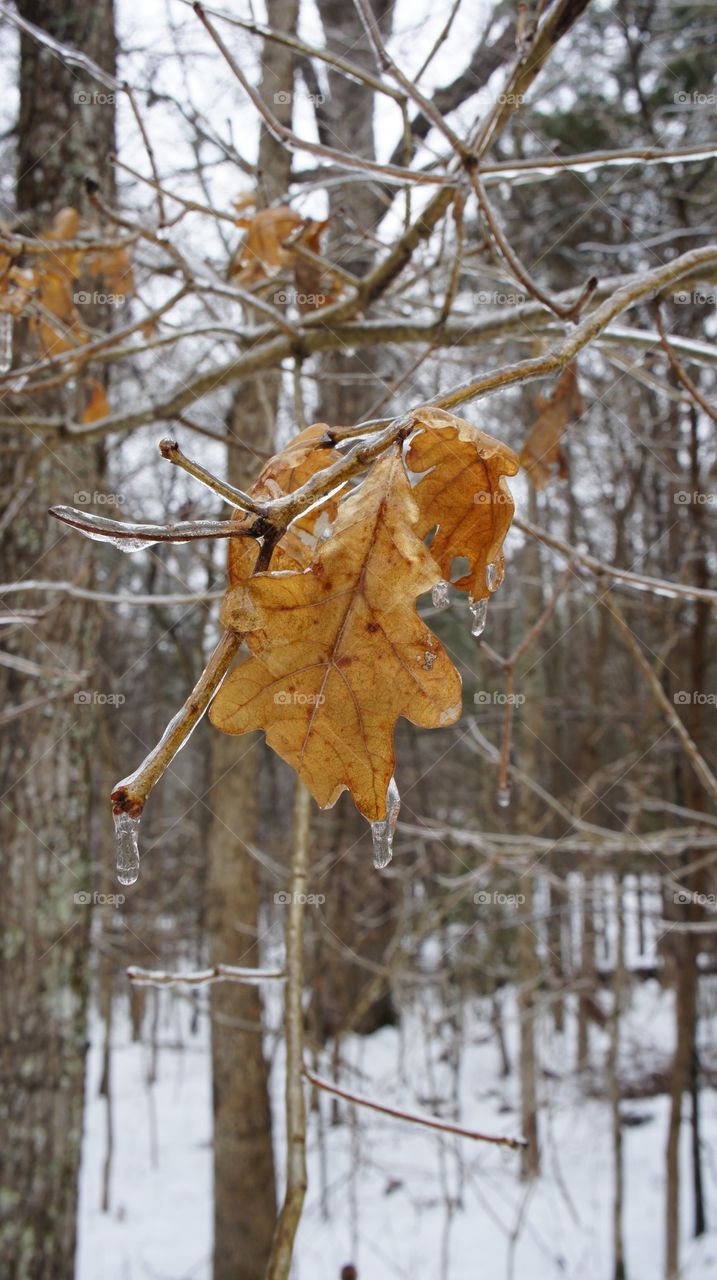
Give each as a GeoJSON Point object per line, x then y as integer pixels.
{"type": "Point", "coordinates": [428, 1122]}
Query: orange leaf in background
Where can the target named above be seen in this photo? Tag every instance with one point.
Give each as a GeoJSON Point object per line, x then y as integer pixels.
{"type": "Point", "coordinates": [261, 253]}
{"type": "Point", "coordinates": [338, 651]}
{"type": "Point", "coordinates": [65, 225]}
{"type": "Point", "coordinates": [464, 496]}
{"type": "Point", "coordinates": [542, 449]}
{"type": "Point", "coordinates": [52, 283]}
{"type": "Point", "coordinates": [114, 267]}
{"type": "Point", "coordinates": [97, 404]}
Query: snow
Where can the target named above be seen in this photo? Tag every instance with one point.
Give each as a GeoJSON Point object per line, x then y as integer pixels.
{"type": "Point", "coordinates": [395, 1200]}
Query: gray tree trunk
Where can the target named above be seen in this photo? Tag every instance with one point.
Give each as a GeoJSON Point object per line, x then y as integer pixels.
{"type": "Point", "coordinates": [45, 759]}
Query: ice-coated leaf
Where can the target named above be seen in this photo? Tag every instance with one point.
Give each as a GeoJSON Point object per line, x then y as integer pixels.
{"type": "Point", "coordinates": [338, 651]}
{"type": "Point", "coordinates": [463, 496]}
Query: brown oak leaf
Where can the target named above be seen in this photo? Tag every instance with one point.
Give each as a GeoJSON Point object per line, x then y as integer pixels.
{"type": "Point", "coordinates": [338, 651]}
{"type": "Point", "coordinates": [542, 450]}
{"type": "Point", "coordinates": [463, 496]}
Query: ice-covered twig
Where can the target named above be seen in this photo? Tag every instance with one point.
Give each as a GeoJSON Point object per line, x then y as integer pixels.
{"type": "Point", "coordinates": [411, 1117]}
{"type": "Point", "coordinates": [133, 537]}
{"type": "Point", "coordinates": [689, 746]}
{"type": "Point", "coordinates": [680, 373]}
{"type": "Point", "coordinates": [296, 1179]}
{"type": "Point", "coordinates": [292, 141]}
{"type": "Point", "coordinates": [521, 273]}
{"type": "Point", "coordinates": [202, 977]}
{"type": "Point", "coordinates": [171, 451]}
{"type": "Point", "coordinates": [130, 795]}
{"type": "Point", "coordinates": [637, 581]}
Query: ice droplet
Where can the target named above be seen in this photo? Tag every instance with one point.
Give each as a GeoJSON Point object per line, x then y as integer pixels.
{"type": "Point", "coordinates": [503, 797]}
{"type": "Point", "coordinates": [126, 829]}
{"type": "Point", "coordinates": [382, 831]}
{"type": "Point", "coordinates": [439, 594]}
{"type": "Point", "coordinates": [491, 575]}
{"type": "Point", "coordinates": [428, 660]}
{"type": "Point", "coordinates": [479, 610]}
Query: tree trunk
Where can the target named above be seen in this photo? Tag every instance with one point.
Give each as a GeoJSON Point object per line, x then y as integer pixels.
{"type": "Point", "coordinates": [350, 387]}
{"type": "Point", "coordinates": [45, 760]}
{"type": "Point", "coordinates": [613, 1071]}
{"type": "Point", "coordinates": [244, 1180]}
{"type": "Point", "coordinates": [528, 961]}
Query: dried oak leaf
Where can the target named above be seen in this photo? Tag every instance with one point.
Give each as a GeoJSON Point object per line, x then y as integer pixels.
{"type": "Point", "coordinates": [285, 472]}
{"type": "Point", "coordinates": [542, 449]}
{"type": "Point", "coordinates": [338, 651]}
{"type": "Point", "coordinates": [98, 405]}
{"type": "Point", "coordinates": [464, 496]}
{"type": "Point", "coordinates": [55, 282]}
{"type": "Point", "coordinates": [262, 251]}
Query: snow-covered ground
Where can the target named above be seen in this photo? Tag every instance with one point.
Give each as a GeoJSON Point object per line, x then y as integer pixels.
{"type": "Point", "coordinates": [397, 1201]}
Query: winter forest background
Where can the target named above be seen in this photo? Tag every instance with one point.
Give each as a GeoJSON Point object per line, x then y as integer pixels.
{"type": "Point", "coordinates": [317, 211]}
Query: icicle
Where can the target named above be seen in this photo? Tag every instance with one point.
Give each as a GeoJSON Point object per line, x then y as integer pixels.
{"type": "Point", "coordinates": [439, 594]}
{"type": "Point", "coordinates": [479, 609]}
{"type": "Point", "coordinates": [382, 831]}
{"type": "Point", "coordinates": [6, 328]}
{"type": "Point", "coordinates": [128, 545]}
{"type": "Point", "coordinates": [503, 797]}
{"type": "Point", "coordinates": [126, 829]}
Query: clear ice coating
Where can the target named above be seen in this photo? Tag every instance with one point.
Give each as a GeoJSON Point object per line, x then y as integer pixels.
{"type": "Point", "coordinates": [503, 797]}
{"type": "Point", "coordinates": [479, 610]}
{"type": "Point", "coordinates": [6, 330]}
{"type": "Point", "coordinates": [126, 829]}
{"type": "Point", "coordinates": [439, 594]}
{"type": "Point", "coordinates": [491, 575]}
{"type": "Point", "coordinates": [382, 831]}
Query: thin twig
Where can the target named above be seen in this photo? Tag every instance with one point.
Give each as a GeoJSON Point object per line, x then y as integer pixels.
{"type": "Point", "coordinates": [292, 141]}
{"type": "Point", "coordinates": [171, 452]}
{"type": "Point", "coordinates": [428, 1122]}
{"type": "Point", "coordinates": [638, 581]}
{"type": "Point", "coordinates": [689, 746]}
{"type": "Point", "coordinates": [520, 271]}
{"type": "Point", "coordinates": [296, 1177]}
{"type": "Point", "coordinates": [681, 373]}
{"type": "Point", "coordinates": [101, 529]}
